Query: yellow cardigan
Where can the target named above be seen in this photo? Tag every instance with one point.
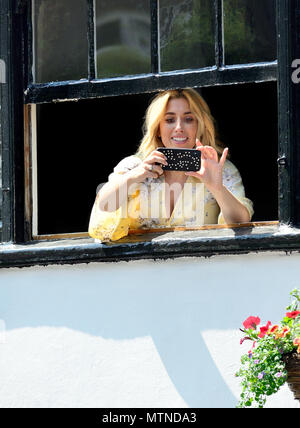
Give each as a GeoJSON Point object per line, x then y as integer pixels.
{"type": "Point", "coordinates": [145, 206]}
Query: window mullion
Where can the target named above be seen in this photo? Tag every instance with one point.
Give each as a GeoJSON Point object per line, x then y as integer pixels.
{"type": "Point", "coordinates": [91, 39]}
{"type": "Point", "coordinates": [285, 125]}
{"type": "Point", "coordinates": [6, 126]}
{"type": "Point", "coordinates": [219, 34]}
{"type": "Point", "coordinates": [294, 111]}
{"type": "Point", "coordinates": [155, 62]}
{"type": "Point", "coordinates": [12, 131]}
{"type": "Point", "coordinates": [29, 47]}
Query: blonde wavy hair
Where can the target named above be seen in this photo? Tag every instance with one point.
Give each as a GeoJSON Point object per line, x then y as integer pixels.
{"type": "Point", "coordinates": [206, 132]}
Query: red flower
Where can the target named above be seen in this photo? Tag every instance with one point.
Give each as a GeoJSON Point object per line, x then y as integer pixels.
{"type": "Point", "coordinates": [293, 314]}
{"type": "Point", "coordinates": [264, 329]}
{"type": "Point", "coordinates": [285, 331]}
{"type": "Point", "coordinates": [251, 322]}
{"type": "Point", "coordinates": [274, 328]}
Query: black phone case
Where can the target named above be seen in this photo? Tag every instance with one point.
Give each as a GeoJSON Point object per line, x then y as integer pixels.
{"type": "Point", "coordinates": [181, 159]}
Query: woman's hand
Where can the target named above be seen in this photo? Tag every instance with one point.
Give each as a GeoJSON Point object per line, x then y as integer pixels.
{"type": "Point", "coordinates": [211, 171]}
{"type": "Point", "coordinates": [211, 174]}
{"type": "Point", "coordinates": [148, 168]}
{"type": "Point", "coordinates": [114, 193]}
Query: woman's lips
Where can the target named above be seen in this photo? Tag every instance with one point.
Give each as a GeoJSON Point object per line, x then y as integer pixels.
{"type": "Point", "coordinates": [179, 140]}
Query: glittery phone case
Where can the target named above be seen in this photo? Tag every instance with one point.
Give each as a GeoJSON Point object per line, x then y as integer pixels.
{"type": "Point", "coordinates": [181, 159]}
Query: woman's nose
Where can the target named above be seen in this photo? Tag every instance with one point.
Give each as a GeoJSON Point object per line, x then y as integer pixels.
{"type": "Point", "coordinates": [178, 126]}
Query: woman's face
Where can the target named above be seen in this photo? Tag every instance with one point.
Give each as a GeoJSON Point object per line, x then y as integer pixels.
{"type": "Point", "coordinates": [178, 128]}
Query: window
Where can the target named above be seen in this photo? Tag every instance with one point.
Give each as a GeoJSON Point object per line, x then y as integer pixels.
{"type": "Point", "coordinates": [224, 48]}
{"type": "Point", "coordinates": [121, 43]}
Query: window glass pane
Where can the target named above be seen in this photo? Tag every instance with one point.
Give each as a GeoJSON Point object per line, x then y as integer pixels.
{"type": "Point", "coordinates": [123, 37]}
{"type": "Point", "coordinates": [61, 50]}
{"type": "Point", "coordinates": [186, 34]}
{"type": "Point", "coordinates": [249, 31]}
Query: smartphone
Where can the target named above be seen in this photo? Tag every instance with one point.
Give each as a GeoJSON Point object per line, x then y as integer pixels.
{"type": "Point", "coordinates": [181, 159]}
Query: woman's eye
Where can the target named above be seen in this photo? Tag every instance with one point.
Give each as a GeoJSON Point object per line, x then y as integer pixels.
{"type": "Point", "coordinates": [189, 119]}
{"type": "Point", "coordinates": [170, 120]}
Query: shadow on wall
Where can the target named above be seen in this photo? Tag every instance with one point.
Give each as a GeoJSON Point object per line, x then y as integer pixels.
{"type": "Point", "coordinates": [171, 301]}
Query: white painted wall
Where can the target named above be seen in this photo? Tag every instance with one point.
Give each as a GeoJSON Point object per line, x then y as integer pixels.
{"type": "Point", "coordinates": [136, 334]}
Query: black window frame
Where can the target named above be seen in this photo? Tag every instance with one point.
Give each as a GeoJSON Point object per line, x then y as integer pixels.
{"type": "Point", "coordinates": [91, 87]}
{"type": "Point", "coordinates": [19, 89]}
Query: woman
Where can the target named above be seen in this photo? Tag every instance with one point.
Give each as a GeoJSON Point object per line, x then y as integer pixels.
{"type": "Point", "coordinates": [140, 194]}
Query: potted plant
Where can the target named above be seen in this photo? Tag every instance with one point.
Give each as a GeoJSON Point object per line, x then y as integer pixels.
{"type": "Point", "coordinates": [274, 357]}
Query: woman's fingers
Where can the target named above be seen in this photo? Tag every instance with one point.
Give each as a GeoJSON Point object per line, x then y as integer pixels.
{"type": "Point", "coordinates": [210, 153]}
{"type": "Point", "coordinates": [224, 156]}
{"type": "Point", "coordinates": [193, 174]}
{"type": "Point", "coordinates": [153, 164]}
{"type": "Point", "coordinates": [154, 168]}
{"type": "Point", "coordinates": [156, 157]}
{"type": "Point", "coordinates": [211, 168]}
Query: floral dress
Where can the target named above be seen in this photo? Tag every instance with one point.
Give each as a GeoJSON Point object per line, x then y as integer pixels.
{"type": "Point", "coordinates": [145, 207]}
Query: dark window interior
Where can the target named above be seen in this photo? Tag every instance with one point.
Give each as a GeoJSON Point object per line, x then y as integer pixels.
{"type": "Point", "coordinates": [79, 143]}
{"type": "Point", "coordinates": [247, 122]}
